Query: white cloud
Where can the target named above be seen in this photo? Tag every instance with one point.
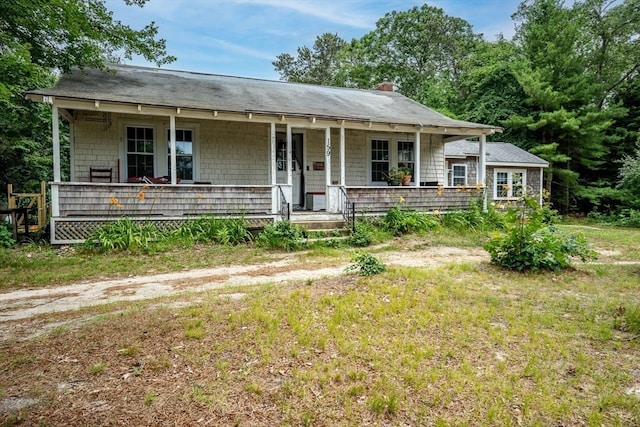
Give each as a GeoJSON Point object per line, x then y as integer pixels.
{"type": "Point", "coordinates": [348, 13]}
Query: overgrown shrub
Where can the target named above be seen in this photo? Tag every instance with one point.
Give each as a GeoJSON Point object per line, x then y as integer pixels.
{"type": "Point", "coordinates": [365, 264]}
{"type": "Point", "coordinates": [6, 235]}
{"type": "Point", "coordinates": [281, 235]}
{"type": "Point", "coordinates": [529, 243]}
{"type": "Point", "coordinates": [399, 221]}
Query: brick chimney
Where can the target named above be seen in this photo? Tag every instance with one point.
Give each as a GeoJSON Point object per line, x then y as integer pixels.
{"type": "Point", "coordinates": [385, 86]}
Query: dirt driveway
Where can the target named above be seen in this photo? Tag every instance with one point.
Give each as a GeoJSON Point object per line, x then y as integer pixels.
{"type": "Point", "coordinates": [18, 309]}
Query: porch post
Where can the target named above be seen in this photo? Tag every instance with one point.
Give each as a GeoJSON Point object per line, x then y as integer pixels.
{"type": "Point", "coordinates": [172, 148]}
{"type": "Point", "coordinates": [275, 195]}
{"type": "Point", "coordinates": [289, 155]}
{"type": "Point", "coordinates": [482, 169]}
{"type": "Point", "coordinates": [327, 158]}
{"type": "Point", "coordinates": [343, 172]}
{"type": "Point", "coordinates": [416, 178]}
{"type": "Point", "coordinates": [55, 130]}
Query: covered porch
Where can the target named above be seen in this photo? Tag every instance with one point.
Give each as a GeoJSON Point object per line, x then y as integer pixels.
{"type": "Point", "coordinates": [167, 146]}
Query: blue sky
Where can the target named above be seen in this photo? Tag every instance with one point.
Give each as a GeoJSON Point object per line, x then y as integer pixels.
{"type": "Point", "coordinates": [243, 37]}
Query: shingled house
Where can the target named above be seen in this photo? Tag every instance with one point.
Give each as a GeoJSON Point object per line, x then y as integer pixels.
{"type": "Point", "coordinates": [168, 145]}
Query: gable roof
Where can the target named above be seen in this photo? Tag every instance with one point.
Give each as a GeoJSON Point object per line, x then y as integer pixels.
{"type": "Point", "coordinates": [498, 153]}
{"type": "Point", "coordinates": [190, 90]}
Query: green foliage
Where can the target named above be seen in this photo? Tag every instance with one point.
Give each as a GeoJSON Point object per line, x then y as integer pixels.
{"type": "Point", "coordinates": [6, 236]}
{"type": "Point", "coordinates": [624, 218]}
{"type": "Point", "coordinates": [630, 172]}
{"type": "Point", "coordinates": [127, 234]}
{"type": "Point", "coordinates": [473, 218]}
{"type": "Point", "coordinates": [281, 235]}
{"type": "Point", "coordinates": [64, 34]}
{"type": "Point", "coordinates": [123, 234]}
{"type": "Point", "coordinates": [362, 235]}
{"type": "Point", "coordinates": [208, 229]}
{"type": "Point", "coordinates": [318, 65]}
{"type": "Point", "coordinates": [398, 221]}
{"type": "Point", "coordinates": [365, 264]}
{"type": "Point", "coordinates": [529, 243]}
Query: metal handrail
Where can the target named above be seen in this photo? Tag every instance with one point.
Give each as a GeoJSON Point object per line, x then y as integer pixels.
{"type": "Point", "coordinates": [285, 207]}
{"type": "Point", "coordinates": [348, 210]}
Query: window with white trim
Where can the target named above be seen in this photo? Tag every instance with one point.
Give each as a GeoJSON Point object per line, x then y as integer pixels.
{"type": "Point", "coordinates": [509, 183]}
{"type": "Point", "coordinates": [184, 154]}
{"type": "Point", "coordinates": [458, 174]}
{"type": "Point", "coordinates": [379, 159]}
{"type": "Point", "coordinates": [140, 151]}
{"type": "Point", "coordinates": [387, 154]}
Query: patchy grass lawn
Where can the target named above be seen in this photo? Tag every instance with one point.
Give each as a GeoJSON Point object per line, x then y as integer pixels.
{"type": "Point", "coordinates": [463, 344]}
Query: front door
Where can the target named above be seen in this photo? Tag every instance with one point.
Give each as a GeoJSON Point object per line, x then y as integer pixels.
{"type": "Point", "coordinates": [297, 175]}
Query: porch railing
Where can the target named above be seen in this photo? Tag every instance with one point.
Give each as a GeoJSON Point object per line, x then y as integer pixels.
{"type": "Point", "coordinates": [105, 199]}
{"type": "Point", "coordinates": [348, 210]}
{"type": "Point", "coordinates": [285, 207]}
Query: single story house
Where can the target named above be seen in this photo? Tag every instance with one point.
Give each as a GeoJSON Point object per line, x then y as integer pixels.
{"type": "Point", "coordinates": [509, 169]}
{"type": "Point", "coordinates": [167, 145]}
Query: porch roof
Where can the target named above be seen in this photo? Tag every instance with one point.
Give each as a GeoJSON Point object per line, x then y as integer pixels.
{"type": "Point", "coordinates": [191, 90]}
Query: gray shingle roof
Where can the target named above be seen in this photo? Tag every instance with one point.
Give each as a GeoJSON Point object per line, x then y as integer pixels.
{"type": "Point", "coordinates": [169, 88]}
{"type": "Point", "coordinates": [497, 153]}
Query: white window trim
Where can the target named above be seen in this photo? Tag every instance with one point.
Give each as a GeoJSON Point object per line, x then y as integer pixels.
{"type": "Point", "coordinates": [124, 168]}
{"type": "Point", "coordinates": [393, 153]}
{"type": "Point", "coordinates": [453, 165]}
{"type": "Point", "coordinates": [509, 173]}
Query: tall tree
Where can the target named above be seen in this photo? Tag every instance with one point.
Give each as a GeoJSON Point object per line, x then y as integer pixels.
{"type": "Point", "coordinates": [38, 39]}
{"type": "Point", "coordinates": [318, 65]}
{"type": "Point", "coordinates": [564, 116]}
{"type": "Point", "coordinates": [421, 51]}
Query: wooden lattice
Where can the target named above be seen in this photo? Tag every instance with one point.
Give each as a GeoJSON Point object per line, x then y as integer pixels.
{"type": "Point", "coordinates": [76, 230]}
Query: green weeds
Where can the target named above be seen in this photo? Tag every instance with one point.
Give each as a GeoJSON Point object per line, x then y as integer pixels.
{"type": "Point", "coordinates": [530, 243]}
{"type": "Point", "coordinates": [365, 264]}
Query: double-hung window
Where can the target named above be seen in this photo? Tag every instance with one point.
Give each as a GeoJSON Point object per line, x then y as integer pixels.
{"type": "Point", "coordinates": [379, 159]}
{"type": "Point", "coordinates": [140, 151]}
{"type": "Point", "coordinates": [387, 154]}
{"type": "Point", "coordinates": [458, 174]}
{"type": "Point", "coordinates": [509, 183]}
{"type": "Point", "coordinates": [184, 154]}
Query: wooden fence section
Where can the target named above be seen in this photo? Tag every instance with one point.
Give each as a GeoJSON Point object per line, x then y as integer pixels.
{"type": "Point", "coordinates": [30, 201]}
{"type": "Point", "coordinates": [378, 200]}
{"type": "Point", "coordinates": [106, 200]}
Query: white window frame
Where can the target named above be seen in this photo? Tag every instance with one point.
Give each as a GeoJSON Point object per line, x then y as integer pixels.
{"type": "Point", "coordinates": [126, 126]}
{"type": "Point", "coordinates": [454, 176]}
{"type": "Point", "coordinates": [510, 193]}
{"type": "Point", "coordinates": [393, 153]}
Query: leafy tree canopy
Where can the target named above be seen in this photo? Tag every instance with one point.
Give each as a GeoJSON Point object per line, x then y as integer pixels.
{"type": "Point", "coordinates": [61, 34]}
